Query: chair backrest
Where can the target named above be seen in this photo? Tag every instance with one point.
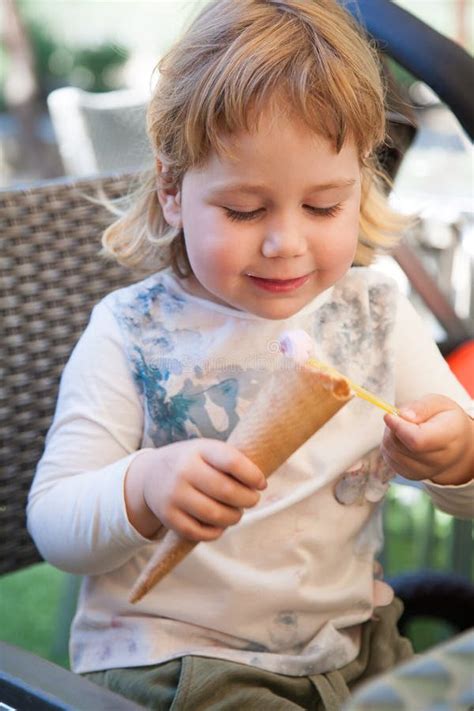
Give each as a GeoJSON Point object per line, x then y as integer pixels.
{"type": "Point", "coordinates": [51, 275]}
{"type": "Point", "coordinates": [427, 54]}
{"type": "Point", "coordinates": [447, 69]}
{"type": "Point", "coordinates": [100, 132]}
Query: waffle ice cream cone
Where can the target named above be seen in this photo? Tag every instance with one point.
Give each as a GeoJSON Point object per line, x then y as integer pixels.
{"type": "Point", "coordinates": [289, 409]}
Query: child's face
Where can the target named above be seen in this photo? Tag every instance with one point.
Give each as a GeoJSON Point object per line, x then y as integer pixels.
{"type": "Point", "coordinates": [275, 225]}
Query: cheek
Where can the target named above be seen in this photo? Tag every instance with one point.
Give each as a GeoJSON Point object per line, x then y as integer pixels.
{"type": "Point", "coordinates": [348, 231]}
{"type": "Point", "coordinates": [339, 244]}
{"type": "Point", "coordinates": [212, 246]}
{"type": "Point", "coordinates": [350, 235]}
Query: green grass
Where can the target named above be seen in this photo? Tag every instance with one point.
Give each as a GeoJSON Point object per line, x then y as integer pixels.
{"type": "Point", "coordinates": [30, 611]}
{"type": "Point", "coordinates": [418, 536]}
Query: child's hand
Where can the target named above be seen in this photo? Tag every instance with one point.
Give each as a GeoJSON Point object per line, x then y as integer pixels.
{"type": "Point", "coordinates": [197, 487]}
{"type": "Point", "coordinates": [432, 439]}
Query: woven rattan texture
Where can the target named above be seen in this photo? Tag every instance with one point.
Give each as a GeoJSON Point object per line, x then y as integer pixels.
{"type": "Point", "coordinates": [51, 275]}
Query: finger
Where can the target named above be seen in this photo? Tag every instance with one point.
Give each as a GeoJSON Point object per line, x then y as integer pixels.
{"type": "Point", "coordinates": [417, 438]}
{"type": "Point", "coordinates": [425, 408]}
{"type": "Point", "coordinates": [392, 444]}
{"type": "Point", "coordinates": [397, 449]}
{"type": "Point", "coordinates": [404, 466]}
{"type": "Point", "coordinates": [229, 459]}
{"type": "Point", "coordinates": [209, 511]}
{"type": "Point", "coordinates": [193, 530]}
{"type": "Point", "coordinates": [224, 488]}
{"type": "Point", "coordinates": [411, 465]}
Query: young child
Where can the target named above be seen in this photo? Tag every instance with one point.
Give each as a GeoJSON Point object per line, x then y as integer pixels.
{"type": "Point", "coordinates": [264, 123]}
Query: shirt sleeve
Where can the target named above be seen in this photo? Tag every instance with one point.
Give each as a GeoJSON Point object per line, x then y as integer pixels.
{"type": "Point", "coordinates": [76, 508]}
{"type": "Point", "coordinates": [421, 369]}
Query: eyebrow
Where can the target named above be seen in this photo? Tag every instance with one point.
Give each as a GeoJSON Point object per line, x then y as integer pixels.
{"type": "Point", "coordinates": [250, 189]}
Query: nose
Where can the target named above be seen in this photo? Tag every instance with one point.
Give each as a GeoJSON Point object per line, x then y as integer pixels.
{"type": "Point", "coordinates": [284, 238]}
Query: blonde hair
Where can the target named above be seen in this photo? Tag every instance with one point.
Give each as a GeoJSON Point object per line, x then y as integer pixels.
{"type": "Point", "coordinates": [235, 57]}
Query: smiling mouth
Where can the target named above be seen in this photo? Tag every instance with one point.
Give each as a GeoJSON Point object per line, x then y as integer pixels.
{"type": "Point", "coordinates": [279, 285]}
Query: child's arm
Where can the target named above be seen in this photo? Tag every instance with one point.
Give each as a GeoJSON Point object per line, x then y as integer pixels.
{"type": "Point", "coordinates": [76, 511]}
{"type": "Point", "coordinates": [436, 444]}
{"type": "Point", "coordinates": [88, 509]}
{"type": "Point", "coordinates": [433, 439]}
{"type": "Point", "coordinates": [196, 488]}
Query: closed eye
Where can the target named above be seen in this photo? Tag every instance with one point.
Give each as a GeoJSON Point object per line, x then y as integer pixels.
{"type": "Point", "coordinates": [324, 211]}
{"type": "Point", "coordinates": [242, 216]}
{"type": "Point", "coordinates": [239, 216]}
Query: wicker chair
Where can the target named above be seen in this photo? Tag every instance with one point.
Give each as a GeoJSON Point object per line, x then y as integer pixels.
{"type": "Point", "coordinates": [51, 276]}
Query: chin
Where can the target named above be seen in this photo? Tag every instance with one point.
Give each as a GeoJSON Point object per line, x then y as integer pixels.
{"type": "Point", "coordinates": [275, 311]}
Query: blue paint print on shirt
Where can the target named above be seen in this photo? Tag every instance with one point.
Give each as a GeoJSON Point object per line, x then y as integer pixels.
{"type": "Point", "coordinates": [158, 361]}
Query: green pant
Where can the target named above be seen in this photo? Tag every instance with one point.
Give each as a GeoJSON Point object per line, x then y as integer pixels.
{"type": "Point", "coordinates": [206, 684]}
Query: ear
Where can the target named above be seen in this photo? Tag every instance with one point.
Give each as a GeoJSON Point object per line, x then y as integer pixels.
{"type": "Point", "coordinates": [169, 195]}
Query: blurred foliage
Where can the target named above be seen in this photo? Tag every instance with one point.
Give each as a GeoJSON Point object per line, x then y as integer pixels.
{"type": "Point", "coordinates": [426, 632]}
{"type": "Point", "coordinates": [95, 69]}
{"type": "Point", "coordinates": [419, 536]}
{"type": "Point", "coordinates": [89, 68]}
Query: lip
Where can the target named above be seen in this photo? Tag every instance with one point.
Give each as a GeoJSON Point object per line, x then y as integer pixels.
{"type": "Point", "coordinates": [279, 285]}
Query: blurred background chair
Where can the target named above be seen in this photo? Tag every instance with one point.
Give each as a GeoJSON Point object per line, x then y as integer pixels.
{"type": "Point", "coordinates": [29, 683]}
{"type": "Point", "coordinates": [439, 680]}
{"type": "Point", "coordinates": [429, 259]}
{"type": "Point", "coordinates": [428, 254]}
{"type": "Point", "coordinates": [100, 133]}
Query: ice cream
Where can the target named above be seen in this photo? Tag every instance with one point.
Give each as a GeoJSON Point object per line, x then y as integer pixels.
{"type": "Point", "coordinates": [297, 345]}
{"type": "Point", "coordinates": [290, 408]}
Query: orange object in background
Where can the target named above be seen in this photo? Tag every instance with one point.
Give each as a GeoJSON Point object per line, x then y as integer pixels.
{"type": "Point", "coordinates": [461, 362]}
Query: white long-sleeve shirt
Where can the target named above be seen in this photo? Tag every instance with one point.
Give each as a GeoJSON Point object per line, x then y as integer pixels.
{"type": "Point", "coordinates": [289, 586]}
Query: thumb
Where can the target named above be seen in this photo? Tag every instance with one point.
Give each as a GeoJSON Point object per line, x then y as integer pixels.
{"type": "Point", "coordinates": [425, 408]}
{"type": "Point", "coordinates": [404, 429]}
{"type": "Point", "coordinates": [410, 428]}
